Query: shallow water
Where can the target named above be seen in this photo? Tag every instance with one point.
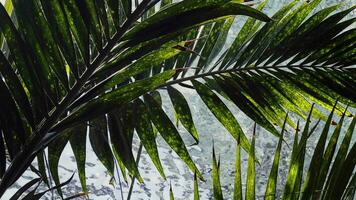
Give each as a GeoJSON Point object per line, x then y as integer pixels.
{"type": "Point", "coordinates": [177, 173]}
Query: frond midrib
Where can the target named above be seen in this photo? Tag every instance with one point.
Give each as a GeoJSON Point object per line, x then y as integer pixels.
{"type": "Point", "coordinates": [246, 70]}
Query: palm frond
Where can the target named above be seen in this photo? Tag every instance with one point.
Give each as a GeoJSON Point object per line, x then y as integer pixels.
{"type": "Point", "coordinates": [71, 66]}
{"type": "Point", "coordinates": [292, 189]}
{"type": "Point", "coordinates": [281, 66]}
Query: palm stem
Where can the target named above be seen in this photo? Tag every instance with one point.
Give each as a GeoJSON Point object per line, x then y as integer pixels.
{"type": "Point", "coordinates": [118, 175]}
{"type": "Point", "coordinates": [50, 177]}
{"type": "Point", "coordinates": [235, 70]}
{"type": "Point", "coordinates": [133, 178]}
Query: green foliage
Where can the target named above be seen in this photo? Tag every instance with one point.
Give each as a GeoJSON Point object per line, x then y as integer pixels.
{"type": "Point", "coordinates": [251, 171]}
{"type": "Point", "coordinates": [70, 68]}
{"type": "Point", "coordinates": [329, 189]}
{"type": "Point", "coordinates": [217, 193]}
{"type": "Point", "coordinates": [272, 178]}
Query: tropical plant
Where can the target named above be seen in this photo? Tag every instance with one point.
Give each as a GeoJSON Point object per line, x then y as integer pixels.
{"type": "Point", "coordinates": [71, 68]}
{"type": "Point", "coordinates": [324, 179]}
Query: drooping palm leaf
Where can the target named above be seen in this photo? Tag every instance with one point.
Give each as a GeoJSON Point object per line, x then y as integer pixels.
{"type": "Point", "coordinates": [251, 170]}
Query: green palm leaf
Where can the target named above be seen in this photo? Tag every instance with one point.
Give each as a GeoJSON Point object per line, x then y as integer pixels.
{"type": "Point", "coordinates": [272, 179]}
{"type": "Point", "coordinates": [251, 170]}
{"type": "Point", "coordinates": [216, 178]}
{"type": "Point", "coordinates": [66, 63]}
{"type": "Point", "coordinates": [339, 181]}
